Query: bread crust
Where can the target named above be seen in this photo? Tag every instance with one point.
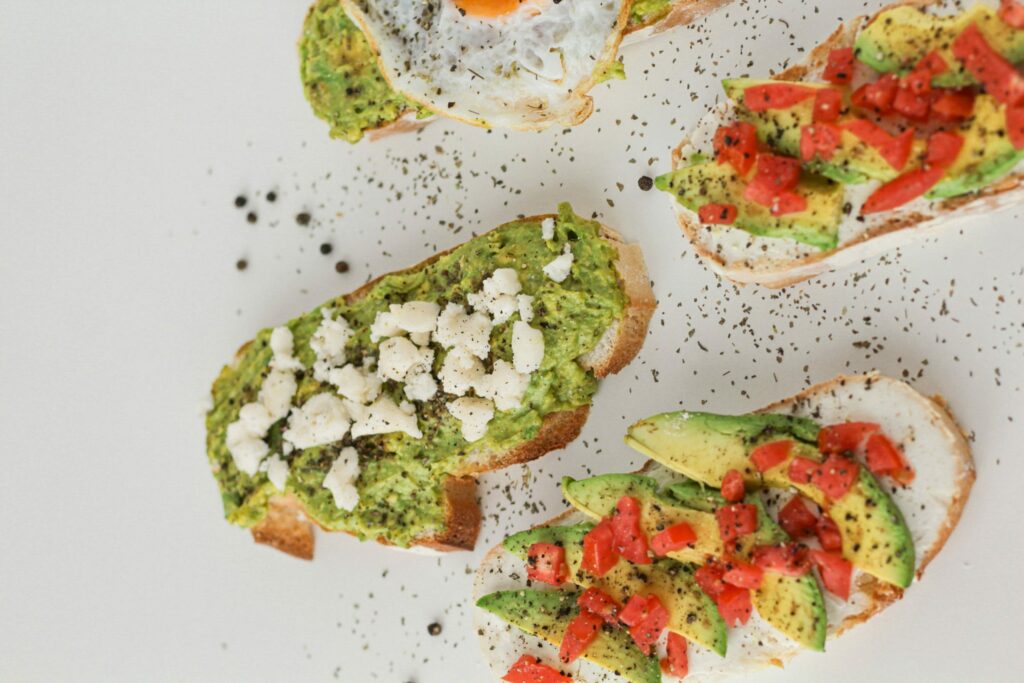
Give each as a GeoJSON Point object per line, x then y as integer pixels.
{"type": "Point", "coordinates": [900, 230]}
{"type": "Point", "coordinates": [286, 526]}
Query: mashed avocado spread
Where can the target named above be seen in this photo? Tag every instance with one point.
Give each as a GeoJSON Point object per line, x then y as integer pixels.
{"type": "Point", "coordinates": [644, 12]}
{"type": "Point", "coordinates": [400, 480]}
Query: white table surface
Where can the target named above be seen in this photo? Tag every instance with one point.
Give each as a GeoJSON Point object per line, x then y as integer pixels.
{"type": "Point", "coordinates": [126, 131]}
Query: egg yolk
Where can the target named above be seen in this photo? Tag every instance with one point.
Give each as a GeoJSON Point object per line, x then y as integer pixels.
{"type": "Point", "coordinates": [487, 8]}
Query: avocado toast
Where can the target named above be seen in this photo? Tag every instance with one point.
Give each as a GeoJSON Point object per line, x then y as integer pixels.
{"type": "Point", "coordinates": [893, 127]}
{"type": "Point", "coordinates": [879, 528]}
{"type": "Point", "coordinates": [373, 413]}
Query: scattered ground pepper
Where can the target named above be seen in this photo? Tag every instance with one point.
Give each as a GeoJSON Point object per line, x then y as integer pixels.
{"type": "Point", "coordinates": [434, 629]}
{"type": "Point", "coordinates": [271, 196]}
{"type": "Point", "coordinates": [326, 248]}
{"type": "Point", "coordinates": [251, 217]}
{"type": "Point", "coordinates": [240, 201]}
{"type": "Point", "coordinates": [303, 218]}
{"type": "Point", "coordinates": [341, 266]}
{"type": "Point", "coordinates": [241, 264]}
{"type": "Point", "coordinates": [646, 182]}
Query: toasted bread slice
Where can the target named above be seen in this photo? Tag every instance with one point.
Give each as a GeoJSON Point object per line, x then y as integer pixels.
{"type": "Point", "coordinates": [287, 527]}
{"type": "Point", "coordinates": [777, 262]}
{"type": "Point", "coordinates": [932, 443]}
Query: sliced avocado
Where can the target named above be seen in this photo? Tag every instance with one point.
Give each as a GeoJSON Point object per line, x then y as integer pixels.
{"type": "Point", "coordinates": [691, 612]}
{"type": "Point", "coordinates": [987, 154]}
{"type": "Point", "coordinates": [704, 447]}
{"type": "Point", "coordinates": [899, 37]}
{"type": "Point", "coordinates": [547, 614]}
{"type": "Point", "coordinates": [709, 182]}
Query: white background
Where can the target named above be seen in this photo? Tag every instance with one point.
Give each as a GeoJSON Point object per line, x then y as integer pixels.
{"type": "Point", "coordinates": [126, 130]}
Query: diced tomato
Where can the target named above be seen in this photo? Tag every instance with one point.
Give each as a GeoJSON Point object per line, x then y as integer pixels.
{"type": "Point", "coordinates": [545, 562]}
{"type": "Point", "coordinates": [743, 574]}
{"type": "Point", "coordinates": [737, 145]}
{"type": "Point", "coordinates": [845, 437]}
{"type": "Point", "coordinates": [827, 104]}
{"type": "Point", "coordinates": [735, 520]}
{"type": "Point", "coordinates": [596, 601]}
{"type": "Point", "coordinates": [901, 190]}
{"type": "Point", "coordinates": [676, 663]}
{"type": "Point", "coordinates": [932, 64]}
{"type": "Point", "coordinates": [819, 139]}
{"type": "Point", "coordinates": [733, 488]}
{"type": "Point", "coordinates": [630, 541]}
{"type": "Point", "coordinates": [1000, 77]}
{"type": "Point", "coordinates": [721, 214]}
{"type": "Point", "coordinates": [709, 578]}
{"type": "Point", "coordinates": [835, 572]}
{"type": "Point", "coordinates": [775, 96]}
{"type": "Point", "coordinates": [779, 172]}
{"type": "Point", "coordinates": [579, 635]}
{"type": "Point", "coordinates": [953, 105]}
{"type": "Point", "coordinates": [943, 149]}
{"type": "Point", "coordinates": [635, 611]}
{"type": "Point", "coordinates": [787, 202]}
{"type": "Point", "coordinates": [734, 605]}
{"type": "Point", "coordinates": [599, 554]}
{"type": "Point", "coordinates": [835, 476]}
{"type": "Point", "coordinates": [796, 518]}
{"type": "Point", "coordinates": [789, 559]}
{"type": "Point", "coordinates": [760, 192]}
{"type": "Point", "coordinates": [895, 149]}
{"type": "Point", "coordinates": [647, 631]}
{"type": "Point", "coordinates": [884, 458]}
{"type": "Point", "coordinates": [1015, 125]}
{"type": "Point", "coordinates": [839, 69]}
{"type": "Point", "coordinates": [530, 670]}
{"type": "Point", "coordinates": [800, 470]}
{"type": "Point", "coordinates": [768, 455]}
{"type": "Point", "coordinates": [828, 534]}
{"type": "Point", "coordinates": [877, 96]}
{"type": "Point", "coordinates": [1012, 12]}
{"type": "Point", "coordinates": [676, 537]}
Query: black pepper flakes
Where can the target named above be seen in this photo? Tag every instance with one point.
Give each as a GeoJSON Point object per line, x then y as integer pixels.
{"type": "Point", "coordinates": [241, 201]}
{"type": "Point", "coordinates": [341, 266]}
{"type": "Point", "coordinates": [271, 196]}
{"type": "Point", "coordinates": [326, 248]}
{"type": "Point", "coordinates": [434, 629]}
{"type": "Point", "coordinates": [241, 264]}
{"type": "Point", "coordinates": [303, 218]}
{"type": "Point", "coordinates": [251, 217]}
{"type": "Point", "coordinates": [645, 182]}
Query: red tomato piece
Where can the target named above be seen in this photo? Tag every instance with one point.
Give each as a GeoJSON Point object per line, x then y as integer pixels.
{"type": "Point", "coordinates": [635, 611]}
{"type": "Point", "coordinates": [676, 663]}
{"type": "Point", "coordinates": [735, 520]}
{"type": "Point", "coordinates": [674, 538]}
{"type": "Point", "coordinates": [839, 69]}
{"type": "Point", "coordinates": [877, 96]}
{"type": "Point", "coordinates": [545, 562]}
{"type": "Point", "coordinates": [1015, 125]}
{"type": "Point", "coordinates": [775, 96]}
{"type": "Point", "coordinates": [1012, 12]}
{"type": "Point", "coordinates": [835, 572]}
{"type": "Point", "coordinates": [796, 519]}
{"type": "Point", "coordinates": [647, 631]}
{"type": "Point", "coordinates": [599, 554]}
{"type": "Point", "coordinates": [733, 488]}
{"type": "Point", "coordinates": [630, 541]}
{"type": "Point", "coordinates": [530, 670]}
{"type": "Point", "coordinates": [778, 172]}
{"type": "Point", "coordinates": [932, 64]}
{"type": "Point", "coordinates": [720, 214]}
{"type": "Point", "coordinates": [709, 578]}
{"type": "Point", "coordinates": [953, 105]}
{"type": "Point", "coordinates": [819, 139]}
{"type": "Point", "coordinates": [835, 476]}
{"type": "Point", "coordinates": [895, 149]}
{"type": "Point", "coordinates": [827, 104]}
{"type": "Point", "coordinates": [1000, 77]}
{"type": "Point", "coordinates": [789, 559]}
{"type": "Point", "coordinates": [845, 437]}
{"type": "Point", "coordinates": [734, 605]}
{"type": "Point", "coordinates": [788, 202]}
{"type": "Point", "coordinates": [743, 575]}
{"type": "Point", "coordinates": [943, 149]}
{"type": "Point", "coordinates": [828, 534]}
{"type": "Point", "coordinates": [800, 470]}
{"type": "Point", "coordinates": [768, 455]}
{"type": "Point", "coordinates": [883, 457]}
{"type": "Point", "coordinates": [578, 636]}
{"type": "Point", "coordinates": [737, 145]}
{"type": "Point", "coordinates": [596, 601]}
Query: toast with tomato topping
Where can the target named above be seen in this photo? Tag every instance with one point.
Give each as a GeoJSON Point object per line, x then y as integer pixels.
{"type": "Point", "coordinates": [922, 446]}
{"type": "Point", "coordinates": [890, 130]}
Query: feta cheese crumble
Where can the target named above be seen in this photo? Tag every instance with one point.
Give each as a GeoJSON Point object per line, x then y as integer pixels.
{"type": "Point", "coordinates": [474, 414]}
{"type": "Point", "coordinates": [460, 371]}
{"type": "Point", "coordinates": [356, 384]}
{"type": "Point", "coordinates": [497, 296]}
{"type": "Point", "coordinates": [527, 347]}
{"type": "Point", "coordinates": [472, 331]}
{"type": "Point", "coordinates": [559, 269]}
{"type": "Point", "coordinates": [341, 478]}
{"type": "Point", "coordinates": [277, 471]}
{"type": "Point", "coordinates": [547, 228]}
{"type": "Point", "coordinates": [321, 420]}
{"type": "Point", "coordinates": [399, 357]}
{"type": "Point", "coordinates": [384, 416]}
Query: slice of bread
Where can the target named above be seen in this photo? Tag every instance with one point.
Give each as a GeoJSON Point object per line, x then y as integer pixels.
{"type": "Point", "coordinates": [773, 262]}
{"type": "Point", "coordinates": [286, 526]}
{"type": "Point", "coordinates": [932, 443]}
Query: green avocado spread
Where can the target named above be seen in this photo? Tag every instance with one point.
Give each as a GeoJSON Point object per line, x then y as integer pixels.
{"type": "Point", "coordinates": [401, 477]}
{"type": "Point", "coordinates": [644, 12]}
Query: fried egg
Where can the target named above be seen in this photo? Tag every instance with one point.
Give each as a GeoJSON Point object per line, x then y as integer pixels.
{"type": "Point", "coordinates": [522, 64]}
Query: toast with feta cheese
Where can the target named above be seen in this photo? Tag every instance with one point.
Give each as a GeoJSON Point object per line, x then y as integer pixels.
{"type": "Point", "coordinates": [354, 449]}
{"type": "Point", "coordinates": [749, 258]}
{"type": "Point", "coordinates": [932, 444]}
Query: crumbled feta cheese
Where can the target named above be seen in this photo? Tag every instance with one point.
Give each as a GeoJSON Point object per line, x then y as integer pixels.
{"type": "Point", "coordinates": [356, 384]}
{"type": "Point", "coordinates": [559, 269]}
{"type": "Point", "coordinates": [547, 228]}
{"type": "Point", "coordinates": [282, 344]}
{"type": "Point", "coordinates": [412, 317]}
{"type": "Point", "coordinates": [472, 331]}
{"type": "Point", "coordinates": [497, 295]}
{"type": "Point", "coordinates": [474, 414]}
{"type": "Point", "coordinates": [420, 338]}
{"type": "Point", "coordinates": [383, 326]}
{"type": "Point", "coordinates": [277, 471]}
{"type": "Point", "coordinates": [256, 418]}
{"type": "Point", "coordinates": [328, 343]}
{"type": "Point", "coordinates": [276, 393]}
{"type": "Point", "coordinates": [460, 371]}
{"type": "Point", "coordinates": [247, 449]}
{"type": "Point", "coordinates": [420, 386]}
{"type": "Point", "coordinates": [525, 304]}
{"type": "Point", "coordinates": [321, 420]}
{"type": "Point", "coordinates": [399, 357]}
{"type": "Point", "coordinates": [527, 347]}
{"type": "Point", "coordinates": [383, 416]}
{"type": "Point", "coordinates": [504, 386]}
{"type": "Point", "coordinates": [341, 478]}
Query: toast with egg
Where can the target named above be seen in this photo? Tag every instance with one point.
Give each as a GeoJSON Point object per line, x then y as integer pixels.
{"type": "Point", "coordinates": [602, 301]}
{"type": "Point", "coordinates": [933, 445]}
